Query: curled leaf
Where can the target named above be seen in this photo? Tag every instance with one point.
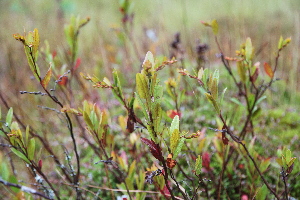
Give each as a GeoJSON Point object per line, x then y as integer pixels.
{"type": "Point", "coordinates": [170, 162]}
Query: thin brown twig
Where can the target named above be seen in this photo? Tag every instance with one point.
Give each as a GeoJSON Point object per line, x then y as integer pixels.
{"type": "Point", "coordinates": [237, 140]}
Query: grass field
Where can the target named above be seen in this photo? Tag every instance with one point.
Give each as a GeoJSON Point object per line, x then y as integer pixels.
{"type": "Point", "coordinates": [106, 43]}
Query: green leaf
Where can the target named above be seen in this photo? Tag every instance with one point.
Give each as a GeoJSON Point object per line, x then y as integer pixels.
{"type": "Point", "coordinates": [20, 155]}
{"type": "Point", "coordinates": [248, 50]}
{"type": "Point", "coordinates": [143, 106]}
{"type": "Point", "coordinates": [215, 27]}
{"type": "Point", "coordinates": [174, 124]}
{"type": "Point", "coordinates": [157, 116]}
{"type": "Point", "coordinates": [251, 100]}
{"type": "Point", "coordinates": [178, 148]}
{"type": "Point", "coordinates": [205, 77]}
{"type": "Point", "coordinates": [288, 155]}
{"type": "Point", "coordinates": [4, 171]}
{"type": "Point", "coordinates": [198, 165]}
{"type": "Point", "coordinates": [31, 149]}
{"type": "Point", "coordinates": [117, 82]}
{"type": "Point", "coordinates": [87, 119]}
{"type": "Point", "coordinates": [152, 135]}
{"type": "Point", "coordinates": [13, 179]}
{"type": "Point", "coordinates": [9, 116]}
{"type": "Point", "coordinates": [131, 171]}
{"type": "Point", "coordinates": [158, 93]}
{"type": "Point", "coordinates": [262, 193]}
{"type": "Point", "coordinates": [213, 102]}
{"type": "Point", "coordinates": [47, 77]}
{"type": "Point", "coordinates": [235, 100]}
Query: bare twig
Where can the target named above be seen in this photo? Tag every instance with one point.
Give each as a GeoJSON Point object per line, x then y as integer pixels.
{"type": "Point", "coordinates": [24, 188]}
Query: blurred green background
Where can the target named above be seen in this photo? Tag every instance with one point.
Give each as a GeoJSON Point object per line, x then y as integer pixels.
{"type": "Point", "coordinates": [263, 21]}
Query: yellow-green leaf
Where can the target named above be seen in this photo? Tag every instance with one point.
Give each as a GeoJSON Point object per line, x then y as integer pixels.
{"type": "Point", "coordinates": [174, 140]}
{"type": "Point", "coordinates": [280, 43]}
{"type": "Point", "coordinates": [198, 165]}
{"type": "Point", "coordinates": [292, 160]}
{"type": "Point", "coordinates": [241, 71]}
{"type": "Point", "coordinates": [141, 85]}
{"type": "Point", "coordinates": [35, 43]}
{"type": "Point", "coordinates": [215, 26]}
{"type": "Point", "coordinates": [279, 161]}
{"type": "Point", "coordinates": [264, 165]}
{"type": "Point", "coordinates": [213, 102]}
{"type": "Point", "coordinates": [286, 42]}
{"type": "Point", "coordinates": [214, 88]}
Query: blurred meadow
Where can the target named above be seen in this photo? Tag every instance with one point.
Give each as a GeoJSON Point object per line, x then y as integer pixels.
{"type": "Point", "coordinates": [105, 43]}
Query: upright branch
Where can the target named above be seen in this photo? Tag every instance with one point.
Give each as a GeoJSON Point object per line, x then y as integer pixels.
{"type": "Point", "coordinates": [31, 44]}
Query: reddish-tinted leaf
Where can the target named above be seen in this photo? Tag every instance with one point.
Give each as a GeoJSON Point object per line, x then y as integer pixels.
{"type": "Point", "coordinates": [154, 148]}
{"type": "Point", "coordinates": [63, 80]}
{"type": "Point", "coordinates": [54, 53]}
{"type": "Point", "coordinates": [40, 164]}
{"type": "Point", "coordinates": [165, 191]}
{"type": "Point", "coordinates": [47, 78]}
{"type": "Point", "coordinates": [268, 70]}
{"type": "Point", "coordinates": [173, 113]}
{"type": "Point", "coordinates": [290, 169]}
{"type": "Point", "coordinates": [78, 61]}
{"type": "Point", "coordinates": [206, 161]}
